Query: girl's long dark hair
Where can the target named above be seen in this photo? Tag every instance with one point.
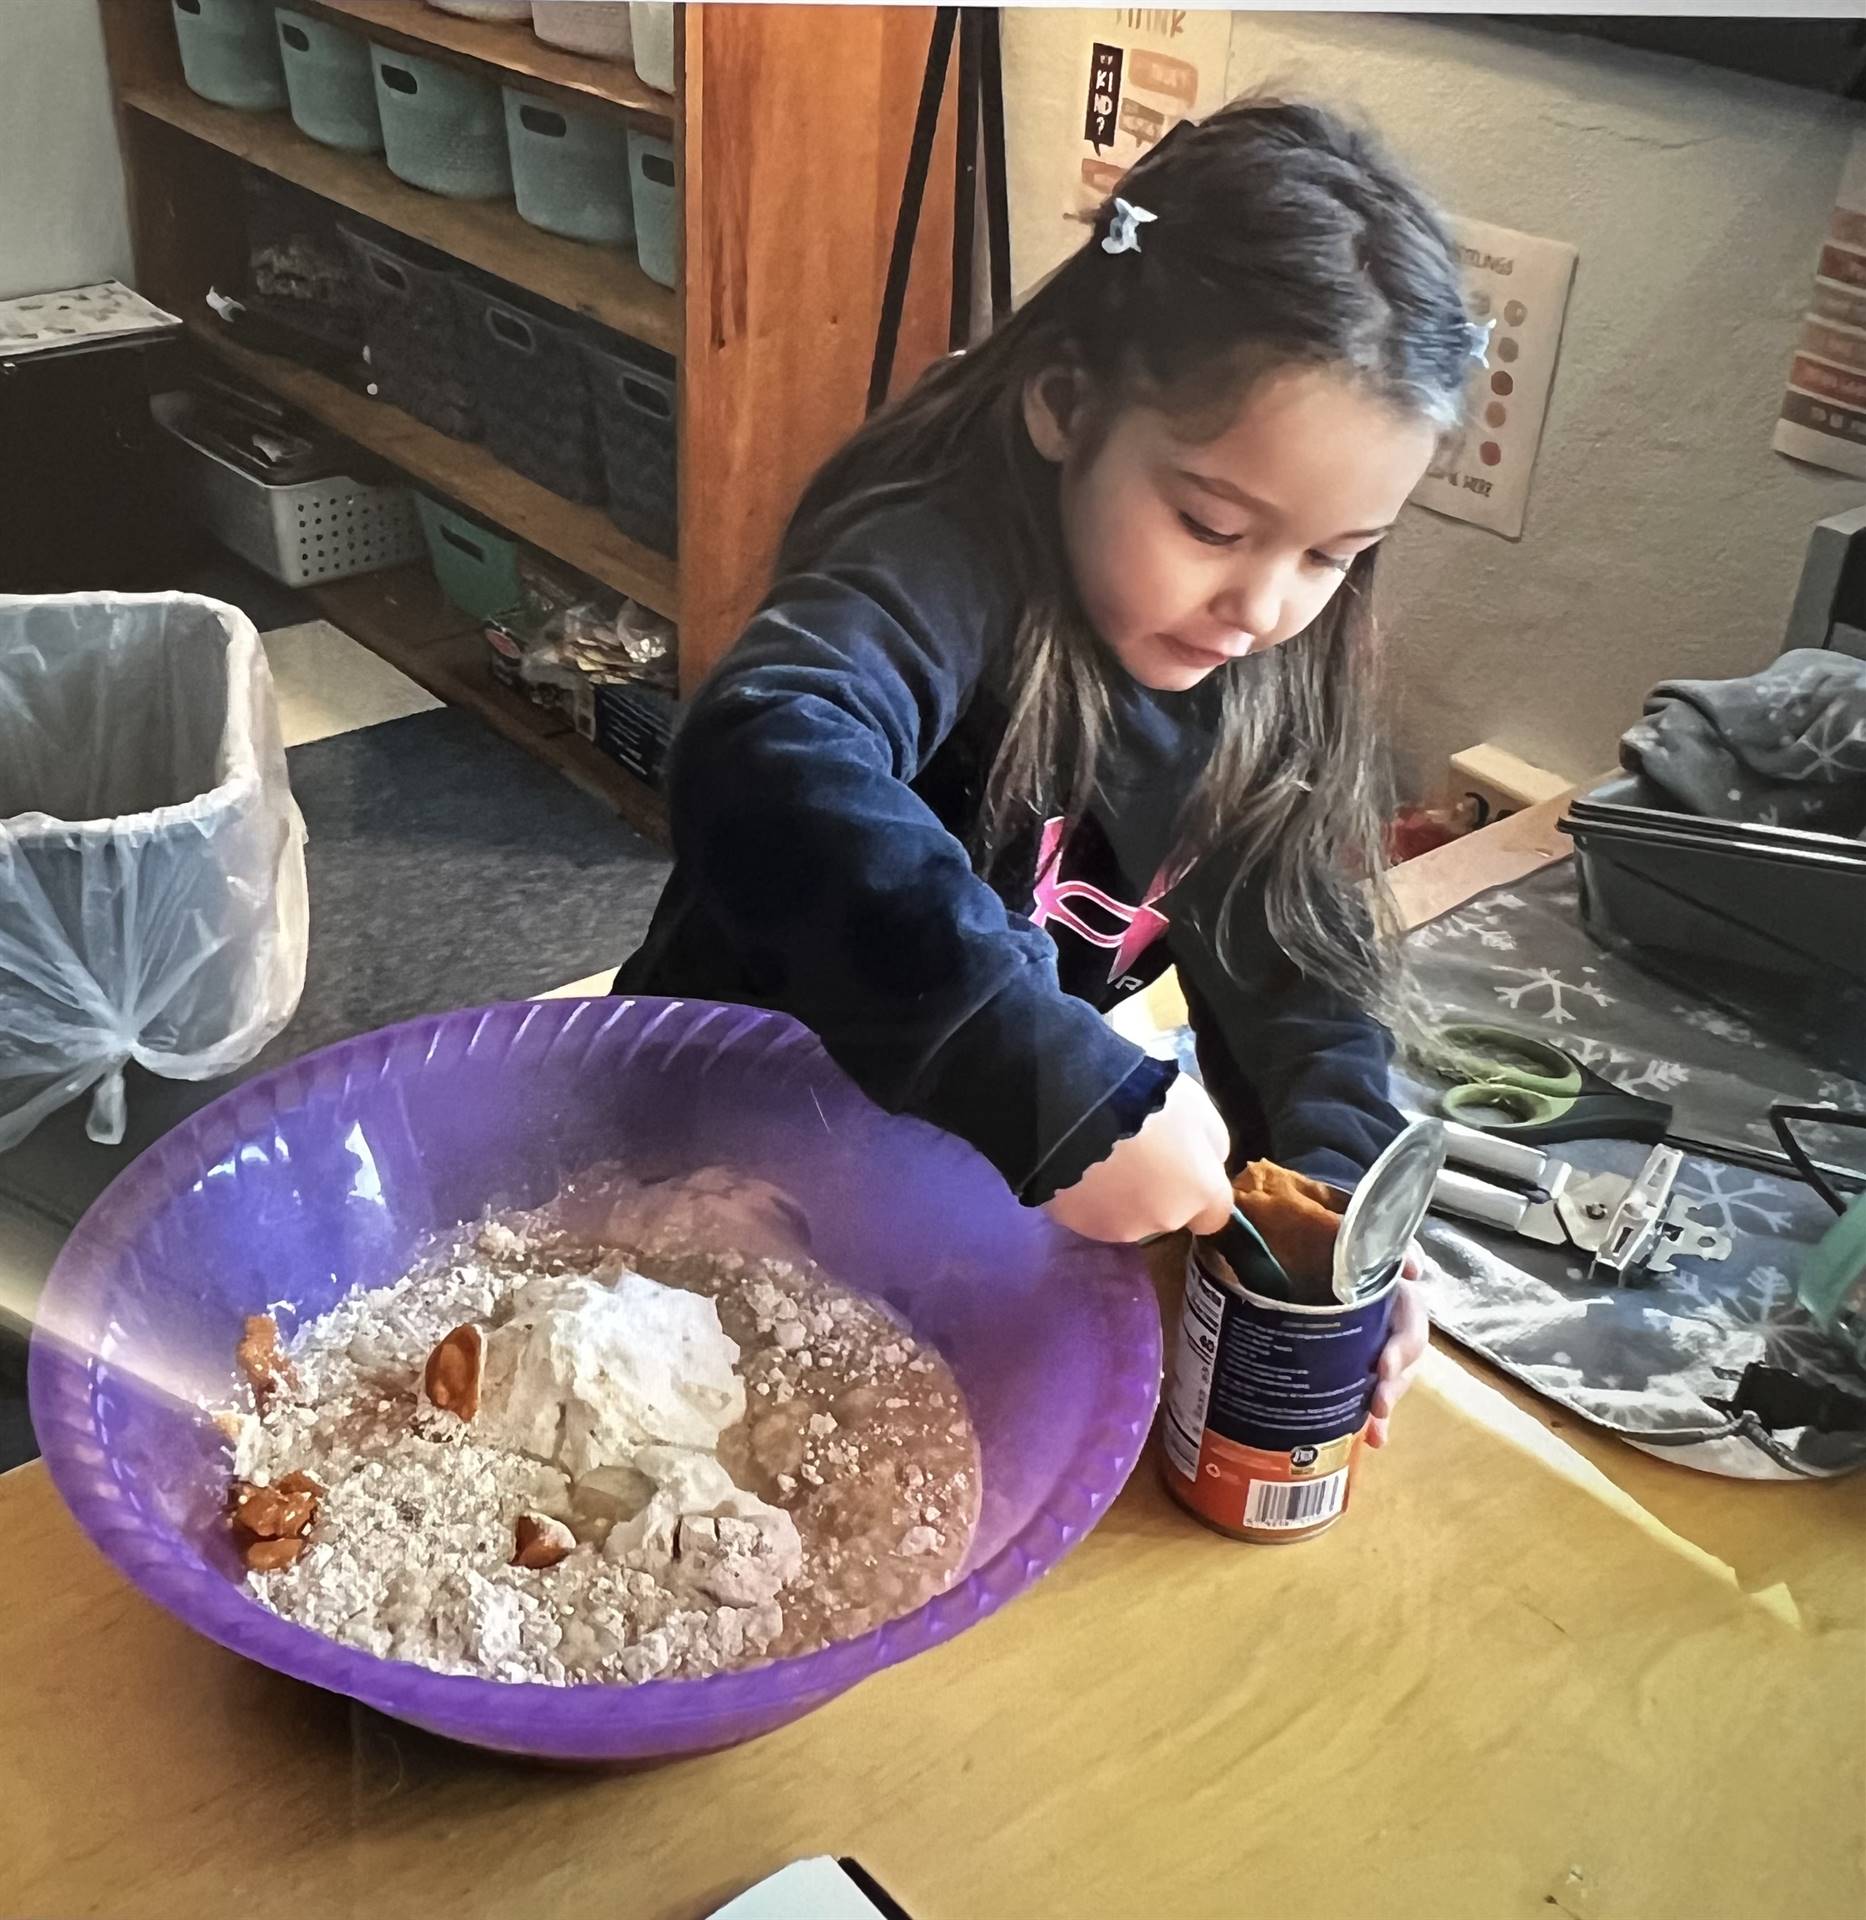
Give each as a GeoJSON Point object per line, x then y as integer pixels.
{"type": "Point", "coordinates": [1281, 237]}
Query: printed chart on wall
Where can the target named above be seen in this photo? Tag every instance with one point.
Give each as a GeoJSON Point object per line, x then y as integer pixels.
{"type": "Point", "coordinates": [1144, 70]}
{"type": "Point", "coordinates": [1518, 285]}
{"type": "Point", "coordinates": [1148, 70]}
{"type": "Point", "coordinates": [1824, 411]}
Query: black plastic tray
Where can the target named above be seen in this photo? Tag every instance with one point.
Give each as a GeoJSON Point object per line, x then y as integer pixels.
{"type": "Point", "coordinates": [1797, 915]}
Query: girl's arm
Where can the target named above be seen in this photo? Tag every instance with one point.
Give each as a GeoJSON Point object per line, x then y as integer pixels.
{"type": "Point", "coordinates": [1298, 1070]}
{"type": "Point", "coordinates": [843, 898]}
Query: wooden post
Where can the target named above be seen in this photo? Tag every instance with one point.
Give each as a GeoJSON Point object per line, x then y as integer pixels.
{"type": "Point", "coordinates": [794, 124]}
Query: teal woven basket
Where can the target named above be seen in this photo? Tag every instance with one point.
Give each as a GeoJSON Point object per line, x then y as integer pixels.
{"type": "Point", "coordinates": [569, 170]}
{"type": "Point", "coordinates": [229, 54]}
{"type": "Point", "coordinates": [327, 74]}
{"type": "Point", "coordinates": [477, 569]}
{"type": "Point", "coordinates": [442, 129]}
{"type": "Point", "coordinates": [657, 206]}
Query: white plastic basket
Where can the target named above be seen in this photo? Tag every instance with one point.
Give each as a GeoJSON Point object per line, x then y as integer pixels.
{"type": "Point", "coordinates": [485, 9]}
{"type": "Point", "coordinates": [599, 28]}
{"type": "Point", "coordinates": [651, 26]}
{"type": "Point", "coordinates": [311, 530]}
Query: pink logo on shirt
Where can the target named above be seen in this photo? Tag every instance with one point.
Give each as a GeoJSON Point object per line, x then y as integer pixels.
{"type": "Point", "coordinates": [1128, 931]}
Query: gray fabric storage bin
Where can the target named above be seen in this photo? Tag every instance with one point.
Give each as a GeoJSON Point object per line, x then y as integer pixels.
{"type": "Point", "coordinates": [635, 391]}
{"type": "Point", "coordinates": [412, 328]}
{"type": "Point", "coordinates": [528, 388]}
{"type": "Point", "coordinates": [1774, 900]}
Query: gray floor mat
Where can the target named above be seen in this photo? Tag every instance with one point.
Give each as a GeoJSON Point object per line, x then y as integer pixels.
{"type": "Point", "coordinates": [448, 867]}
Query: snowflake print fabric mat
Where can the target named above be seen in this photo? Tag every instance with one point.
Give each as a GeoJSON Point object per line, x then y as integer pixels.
{"type": "Point", "coordinates": [1645, 1361]}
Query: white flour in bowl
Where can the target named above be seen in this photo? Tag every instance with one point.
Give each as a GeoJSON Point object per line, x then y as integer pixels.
{"type": "Point", "coordinates": [724, 1459]}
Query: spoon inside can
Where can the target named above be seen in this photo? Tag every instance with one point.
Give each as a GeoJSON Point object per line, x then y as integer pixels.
{"type": "Point", "coordinates": [1250, 1257]}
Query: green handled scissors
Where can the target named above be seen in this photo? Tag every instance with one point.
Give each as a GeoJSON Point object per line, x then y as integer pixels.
{"type": "Point", "coordinates": [1523, 1087]}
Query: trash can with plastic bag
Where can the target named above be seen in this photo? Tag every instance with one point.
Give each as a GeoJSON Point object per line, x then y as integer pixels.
{"type": "Point", "coordinates": [152, 876]}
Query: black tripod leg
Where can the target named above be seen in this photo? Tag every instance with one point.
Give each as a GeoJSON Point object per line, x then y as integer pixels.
{"type": "Point", "coordinates": [997, 192]}
{"type": "Point", "coordinates": [913, 193]}
{"type": "Point", "coordinates": [965, 179]}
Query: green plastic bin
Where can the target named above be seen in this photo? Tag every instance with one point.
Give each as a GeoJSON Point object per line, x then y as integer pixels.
{"type": "Point", "coordinates": [442, 129]}
{"type": "Point", "coordinates": [569, 170]}
{"type": "Point", "coordinates": [477, 569]}
{"type": "Point", "coordinates": [229, 53]}
{"type": "Point", "coordinates": [327, 75]}
{"type": "Point", "coordinates": [657, 206]}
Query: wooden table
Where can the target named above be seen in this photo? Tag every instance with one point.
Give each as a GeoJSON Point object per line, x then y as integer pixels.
{"type": "Point", "coordinates": [1534, 1674]}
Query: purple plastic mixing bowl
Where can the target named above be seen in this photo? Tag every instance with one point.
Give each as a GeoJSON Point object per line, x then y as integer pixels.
{"type": "Point", "coordinates": [333, 1172]}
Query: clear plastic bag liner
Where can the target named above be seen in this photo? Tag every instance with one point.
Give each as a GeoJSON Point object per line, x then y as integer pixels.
{"type": "Point", "coordinates": [152, 875]}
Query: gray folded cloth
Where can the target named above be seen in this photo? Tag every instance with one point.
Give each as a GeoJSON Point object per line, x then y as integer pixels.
{"type": "Point", "coordinates": [1785, 747]}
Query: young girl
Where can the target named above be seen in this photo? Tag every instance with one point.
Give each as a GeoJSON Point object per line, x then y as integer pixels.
{"type": "Point", "coordinates": [1067, 677]}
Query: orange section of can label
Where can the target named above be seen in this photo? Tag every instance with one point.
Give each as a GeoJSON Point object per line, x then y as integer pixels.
{"type": "Point", "coordinates": [1249, 1490]}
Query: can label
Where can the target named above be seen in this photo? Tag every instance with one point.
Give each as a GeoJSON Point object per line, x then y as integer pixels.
{"type": "Point", "coordinates": [1263, 1420]}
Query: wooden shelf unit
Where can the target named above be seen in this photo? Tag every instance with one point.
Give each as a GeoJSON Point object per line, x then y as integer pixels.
{"type": "Point", "coordinates": [582, 537]}
{"type": "Point", "coordinates": [403, 616]}
{"type": "Point", "coordinates": [790, 126]}
{"type": "Point", "coordinates": [601, 283]}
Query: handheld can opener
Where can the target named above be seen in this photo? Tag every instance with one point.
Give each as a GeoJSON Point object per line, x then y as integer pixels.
{"type": "Point", "coordinates": [1631, 1229]}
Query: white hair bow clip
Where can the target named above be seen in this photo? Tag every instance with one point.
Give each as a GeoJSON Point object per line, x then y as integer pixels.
{"type": "Point", "coordinates": [1123, 234]}
{"type": "Point", "coordinates": [1478, 336]}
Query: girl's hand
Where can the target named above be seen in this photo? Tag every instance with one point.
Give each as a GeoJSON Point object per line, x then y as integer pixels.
{"type": "Point", "coordinates": [1405, 1348]}
{"type": "Point", "coordinates": [1171, 1174]}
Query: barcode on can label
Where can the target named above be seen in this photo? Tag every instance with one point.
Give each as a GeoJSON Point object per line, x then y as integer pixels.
{"type": "Point", "coordinates": [1296, 1503]}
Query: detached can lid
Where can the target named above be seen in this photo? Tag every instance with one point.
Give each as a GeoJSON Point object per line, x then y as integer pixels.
{"type": "Point", "coordinates": [1387, 1210]}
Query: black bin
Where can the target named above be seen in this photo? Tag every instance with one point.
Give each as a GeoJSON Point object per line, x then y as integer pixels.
{"type": "Point", "coordinates": [1770, 900]}
{"type": "Point", "coordinates": [83, 504]}
{"type": "Point", "coordinates": [528, 388]}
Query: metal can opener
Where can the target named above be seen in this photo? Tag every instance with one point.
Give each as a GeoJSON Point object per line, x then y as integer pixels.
{"type": "Point", "coordinates": [1631, 1229]}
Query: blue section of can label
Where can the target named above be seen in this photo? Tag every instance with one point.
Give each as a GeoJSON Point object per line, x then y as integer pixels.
{"type": "Point", "coordinates": [1286, 1377]}
{"type": "Point", "coordinates": [1267, 1401]}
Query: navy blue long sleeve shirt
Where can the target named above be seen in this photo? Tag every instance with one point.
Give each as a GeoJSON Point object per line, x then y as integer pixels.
{"type": "Point", "coordinates": [824, 793]}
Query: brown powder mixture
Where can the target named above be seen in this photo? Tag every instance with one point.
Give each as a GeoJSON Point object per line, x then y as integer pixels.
{"type": "Point", "coordinates": [852, 1427]}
